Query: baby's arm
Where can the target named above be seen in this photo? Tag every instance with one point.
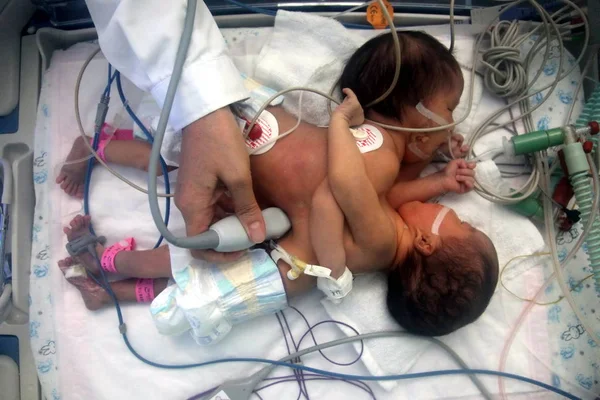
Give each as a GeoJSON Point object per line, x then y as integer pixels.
{"type": "Point", "coordinates": [412, 171]}
{"type": "Point", "coordinates": [326, 217]}
{"type": "Point", "coordinates": [355, 180]}
{"type": "Point", "coordinates": [428, 145]}
{"type": "Point", "coordinates": [350, 194]}
{"type": "Point", "coordinates": [457, 176]}
{"type": "Point", "coordinates": [327, 230]}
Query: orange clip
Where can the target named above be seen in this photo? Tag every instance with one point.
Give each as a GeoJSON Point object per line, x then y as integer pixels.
{"type": "Point", "coordinates": [375, 15]}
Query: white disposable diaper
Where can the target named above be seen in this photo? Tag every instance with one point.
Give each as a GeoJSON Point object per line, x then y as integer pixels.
{"type": "Point", "coordinates": [209, 299]}
{"type": "Point", "coordinates": [259, 95]}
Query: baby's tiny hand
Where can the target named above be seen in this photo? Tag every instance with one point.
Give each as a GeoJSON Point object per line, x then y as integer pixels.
{"type": "Point", "coordinates": [458, 176]}
{"type": "Point", "coordinates": [351, 109]}
{"type": "Point", "coordinates": [459, 150]}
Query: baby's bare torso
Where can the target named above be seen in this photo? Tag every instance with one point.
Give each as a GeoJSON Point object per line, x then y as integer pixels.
{"type": "Point", "coordinates": [288, 175]}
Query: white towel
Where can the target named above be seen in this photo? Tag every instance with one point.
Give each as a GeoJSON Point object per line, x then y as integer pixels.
{"type": "Point", "coordinates": [365, 307]}
{"type": "Point", "coordinates": [305, 50]}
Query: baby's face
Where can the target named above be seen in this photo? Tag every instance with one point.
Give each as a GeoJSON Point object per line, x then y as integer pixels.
{"type": "Point", "coordinates": [445, 102]}
{"type": "Point", "coordinates": [423, 215]}
{"type": "Point", "coordinates": [443, 105]}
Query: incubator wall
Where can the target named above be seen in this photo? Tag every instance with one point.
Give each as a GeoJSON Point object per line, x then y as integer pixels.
{"type": "Point", "coordinates": [69, 14]}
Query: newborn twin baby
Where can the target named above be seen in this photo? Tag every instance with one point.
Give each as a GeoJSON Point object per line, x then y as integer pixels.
{"type": "Point", "coordinates": [353, 209]}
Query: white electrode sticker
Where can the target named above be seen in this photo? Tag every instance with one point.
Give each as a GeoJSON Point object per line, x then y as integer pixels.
{"type": "Point", "coordinates": [270, 131]}
{"type": "Point", "coordinates": [373, 139]}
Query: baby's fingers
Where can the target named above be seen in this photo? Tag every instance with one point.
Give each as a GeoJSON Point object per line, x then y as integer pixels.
{"type": "Point", "coordinates": [467, 164]}
{"type": "Point", "coordinates": [460, 164]}
{"type": "Point", "coordinates": [464, 178]}
{"type": "Point", "coordinates": [348, 92]}
{"type": "Point", "coordinates": [464, 149]}
{"type": "Point", "coordinates": [465, 172]}
{"type": "Point", "coordinates": [457, 138]}
{"type": "Point", "coordinates": [467, 181]}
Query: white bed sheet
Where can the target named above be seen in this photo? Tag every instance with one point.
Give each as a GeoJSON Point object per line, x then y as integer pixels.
{"type": "Point", "coordinates": [80, 354]}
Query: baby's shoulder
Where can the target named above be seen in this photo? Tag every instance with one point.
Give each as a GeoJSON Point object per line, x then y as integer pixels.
{"type": "Point", "coordinates": [381, 157]}
{"type": "Point", "coordinates": [372, 137]}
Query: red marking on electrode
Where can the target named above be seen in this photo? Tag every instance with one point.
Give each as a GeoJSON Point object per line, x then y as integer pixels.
{"type": "Point", "coordinates": [371, 138]}
{"type": "Point", "coordinates": [267, 133]}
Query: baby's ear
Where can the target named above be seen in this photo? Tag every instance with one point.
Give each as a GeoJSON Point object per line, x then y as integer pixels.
{"type": "Point", "coordinates": [426, 243]}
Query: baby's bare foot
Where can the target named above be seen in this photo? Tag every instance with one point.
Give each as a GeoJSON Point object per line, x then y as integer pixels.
{"type": "Point", "coordinates": [71, 177]}
{"type": "Point", "coordinates": [93, 295]}
{"type": "Point", "coordinates": [80, 226]}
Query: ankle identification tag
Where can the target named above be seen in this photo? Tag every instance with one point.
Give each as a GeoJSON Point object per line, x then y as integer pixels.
{"type": "Point", "coordinates": [336, 289]}
{"type": "Point", "coordinates": [368, 138]}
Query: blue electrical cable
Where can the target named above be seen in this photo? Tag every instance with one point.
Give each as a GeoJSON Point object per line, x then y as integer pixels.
{"type": "Point", "coordinates": [111, 78]}
{"type": "Point", "coordinates": [264, 11]}
{"type": "Point", "coordinates": [257, 10]}
{"type": "Point", "coordinates": [150, 139]}
{"type": "Point", "coordinates": [88, 173]}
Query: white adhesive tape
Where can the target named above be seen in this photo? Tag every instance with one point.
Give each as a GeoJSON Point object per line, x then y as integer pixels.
{"type": "Point", "coordinates": [435, 228]}
{"type": "Point", "coordinates": [373, 140]}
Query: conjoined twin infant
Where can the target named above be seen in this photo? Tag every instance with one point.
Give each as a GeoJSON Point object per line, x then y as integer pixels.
{"type": "Point", "coordinates": [356, 206]}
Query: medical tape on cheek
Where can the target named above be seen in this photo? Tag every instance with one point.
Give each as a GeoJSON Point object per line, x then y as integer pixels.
{"type": "Point", "coordinates": [435, 228]}
{"type": "Point", "coordinates": [417, 152]}
{"type": "Point", "coordinates": [427, 113]}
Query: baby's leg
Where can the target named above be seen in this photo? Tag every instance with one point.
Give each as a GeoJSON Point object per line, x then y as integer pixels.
{"type": "Point", "coordinates": [94, 296]}
{"type": "Point", "coordinates": [129, 153]}
{"type": "Point", "coordinates": [155, 263]}
{"type": "Point", "coordinates": [327, 230]}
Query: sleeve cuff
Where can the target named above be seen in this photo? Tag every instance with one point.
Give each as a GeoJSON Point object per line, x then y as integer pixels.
{"type": "Point", "coordinates": [204, 87]}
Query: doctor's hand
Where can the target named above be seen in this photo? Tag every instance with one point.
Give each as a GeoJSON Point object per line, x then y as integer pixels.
{"type": "Point", "coordinates": [214, 159]}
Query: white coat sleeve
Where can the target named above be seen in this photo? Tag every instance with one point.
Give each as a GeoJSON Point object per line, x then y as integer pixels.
{"type": "Point", "coordinates": [140, 39]}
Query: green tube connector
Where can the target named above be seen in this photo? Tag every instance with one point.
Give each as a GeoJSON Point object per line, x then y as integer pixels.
{"type": "Point", "coordinates": [530, 208]}
{"type": "Point", "coordinates": [575, 158]}
{"type": "Point", "coordinates": [537, 141]}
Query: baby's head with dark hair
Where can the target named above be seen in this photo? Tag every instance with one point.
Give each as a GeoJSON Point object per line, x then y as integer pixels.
{"type": "Point", "coordinates": [428, 68]}
{"type": "Point", "coordinates": [445, 271]}
{"type": "Point", "coordinates": [437, 294]}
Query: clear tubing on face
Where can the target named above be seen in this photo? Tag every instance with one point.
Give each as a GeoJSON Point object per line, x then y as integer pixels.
{"type": "Point", "coordinates": [435, 228]}
{"type": "Point", "coordinates": [417, 152]}
{"type": "Point", "coordinates": [427, 113]}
